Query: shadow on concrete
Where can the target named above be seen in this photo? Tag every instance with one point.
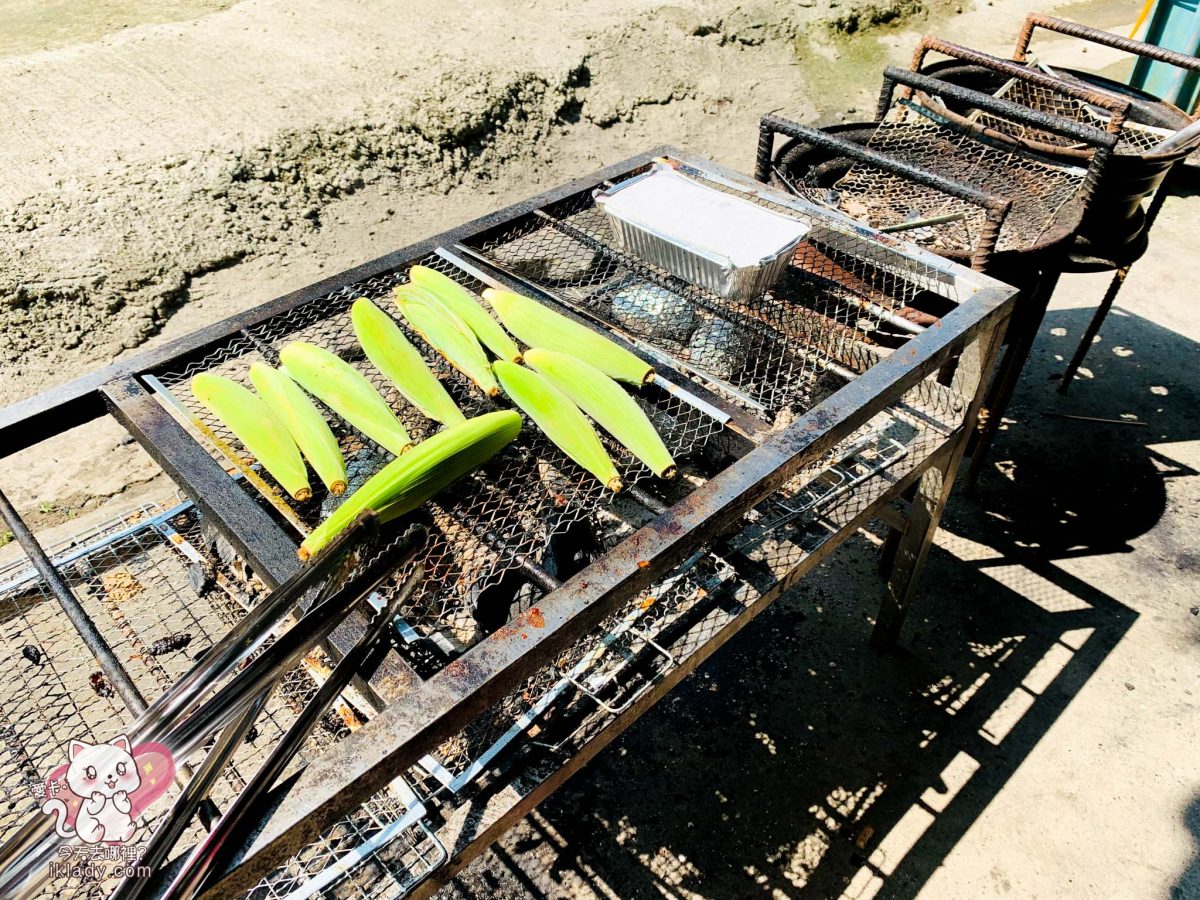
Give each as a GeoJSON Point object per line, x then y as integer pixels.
{"type": "Point", "coordinates": [797, 761]}
{"type": "Point", "coordinates": [1188, 883]}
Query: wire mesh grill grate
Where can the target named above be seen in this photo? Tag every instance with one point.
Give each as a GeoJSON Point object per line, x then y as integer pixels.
{"type": "Point", "coordinates": [485, 530]}
{"type": "Point", "coordinates": [1038, 188]}
{"type": "Point", "coordinates": [138, 577]}
{"type": "Point", "coordinates": [1135, 139]}
{"type": "Point", "coordinates": [768, 353]}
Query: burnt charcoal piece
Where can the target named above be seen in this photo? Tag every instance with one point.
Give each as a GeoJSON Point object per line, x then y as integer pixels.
{"type": "Point", "coordinates": [569, 552]}
{"type": "Point", "coordinates": [251, 735]}
{"type": "Point", "coordinates": [170, 644]}
{"type": "Point", "coordinates": [491, 603]}
{"type": "Point", "coordinates": [100, 685]}
{"type": "Point", "coordinates": [333, 725]}
{"type": "Point", "coordinates": [200, 577]}
{"type": "Point", "coordinates": [216, 543]}
{"type": "Point", "coordinates": [33, 654]}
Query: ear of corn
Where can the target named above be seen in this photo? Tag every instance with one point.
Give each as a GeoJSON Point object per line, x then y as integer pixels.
{"type": "Point", "coordinates": [539, 326]}
{"type": "Point", "coordinates": [343, 389]}
{"type": "Point", "coordinates": [304, 423]}
{"type": "Point", "coordinates": [259, 430]}
{"type": "Point", "coordinates": [558, 416]}
{"type": "Point", "coordinates": [401, 363]}
{"type": "Point", "coordinates": [462, 303]}
{"type": "Point", "coordinates": [606, 402]}
{"type": "Point", "coordinates": [446, 333]}
{"type": "Point", "coordinates": [407, 482]}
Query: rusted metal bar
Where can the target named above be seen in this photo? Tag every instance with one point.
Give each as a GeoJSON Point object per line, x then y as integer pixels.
{"type": "Point", "coordinates": [894, 77]}
{"type": "Point", "coordinates": [932, 492]}
{"type": "Point", "coordinates": [251, 530]}
{"type": "Point", "coordinates": [995, 208]}
{"type": "Point", "coordinates": [1117, 107]}
{"type": "Point", "coordinates": [1103, 142]}
{"type": "Point", "coordinates": [1093, 328]}
{"type": "Point", "coordinates": [1097, 36]}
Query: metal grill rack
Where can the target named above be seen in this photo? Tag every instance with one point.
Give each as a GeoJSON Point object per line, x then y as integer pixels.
{"type": "Point", "coordinates": [929, 209]}
{"type": "Point", "coordinates": [494, 527]}
{"type": "Point", "coordinates": [928, 152]}
{"type": "Point", "coordinates": [604, 603]}
{"type": "Point", "coordinates": [160, 599]}
{"type": "Point", "coordinates": [1048, 195]}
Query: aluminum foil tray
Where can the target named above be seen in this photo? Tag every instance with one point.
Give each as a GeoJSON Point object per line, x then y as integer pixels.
{"type": "Point", "coordinates": [722, 243]}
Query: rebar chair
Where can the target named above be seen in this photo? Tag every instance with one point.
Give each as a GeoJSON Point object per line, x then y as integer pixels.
{"type": "Point", "coordinates": [1145, 162]}
{"type": "Point", "coordinates": [917, 124]}
{"type": "Point", "coordinates": [940, 214]}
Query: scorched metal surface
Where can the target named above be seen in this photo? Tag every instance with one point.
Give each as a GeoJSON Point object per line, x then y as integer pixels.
{"type": "Point", "coordinates": [791, 428]}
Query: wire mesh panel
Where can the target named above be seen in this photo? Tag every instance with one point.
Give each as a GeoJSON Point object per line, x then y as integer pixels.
{"type": "Point", "coordinates": [1135, 138]}
{"type": "Point", "coordinates": [767, 353]}
{"type": "Point", "coordinates": [160, 598]}
{"type": "Point", "coordinates": [1038, 187]}
{"type": "Point", "coordinates": [486, 529]}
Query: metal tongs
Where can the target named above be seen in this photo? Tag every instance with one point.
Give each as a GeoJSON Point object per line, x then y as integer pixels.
{"type": "Point", "coordinates": [327, 589]}
{"type": "Point", "coordinates": [220, 848]}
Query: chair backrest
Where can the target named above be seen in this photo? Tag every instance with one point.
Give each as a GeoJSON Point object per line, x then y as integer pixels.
{"type": "Point", "coordinates": [973, 217]}
{"type": "Point", "coordinates": [1032, 88]}
{"type": "Point", "coordinates": [918, 126]}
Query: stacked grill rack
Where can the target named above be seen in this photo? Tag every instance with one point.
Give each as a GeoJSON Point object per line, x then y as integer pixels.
{"type": "Point", "coordinates": [551, 613]}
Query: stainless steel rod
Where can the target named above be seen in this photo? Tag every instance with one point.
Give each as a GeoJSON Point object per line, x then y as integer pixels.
{"type": "Point", "coordinates": [216, 851]}
{"type": "Point", "coordinates": [176, 821]}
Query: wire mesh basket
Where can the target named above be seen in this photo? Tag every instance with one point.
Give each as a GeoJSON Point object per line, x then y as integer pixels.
{"type": "Point", "coordinates": [160, 598]}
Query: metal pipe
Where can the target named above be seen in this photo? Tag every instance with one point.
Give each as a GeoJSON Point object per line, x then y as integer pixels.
{"type": "Point", "coordinates": [214, 853]}
{"type": "Point", "coordinates": [923, 223]}
{"type": "Point", "coordinates": [113, 670]}
{"type": "Point", "coordinates": [180, 815]}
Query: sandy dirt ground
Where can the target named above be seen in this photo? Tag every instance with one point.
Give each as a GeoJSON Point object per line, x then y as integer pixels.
{"type": "Point", "coordinates": [167, 164]}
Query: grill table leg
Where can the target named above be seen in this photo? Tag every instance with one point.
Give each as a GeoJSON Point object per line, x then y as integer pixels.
{"type": "Point", "coordinates": [904, 553]}
{"type": "Point", "coordinates": [1001, 391]}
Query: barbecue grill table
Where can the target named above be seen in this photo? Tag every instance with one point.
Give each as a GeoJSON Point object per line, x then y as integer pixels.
{"type": "Point", "coordinates": [815, 432]}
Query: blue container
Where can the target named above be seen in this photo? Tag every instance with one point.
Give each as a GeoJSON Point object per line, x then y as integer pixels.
{"type": "Point", "coordinates": [1174, 25]}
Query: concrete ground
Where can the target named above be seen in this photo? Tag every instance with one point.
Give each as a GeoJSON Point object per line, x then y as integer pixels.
{"type": "Point", "coordinates": [1035, 735]}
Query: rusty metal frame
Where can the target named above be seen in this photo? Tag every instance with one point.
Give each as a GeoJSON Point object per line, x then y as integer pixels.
{"type": "Point", "coordinates": [1117, 107]}
{"type": "Point", "coordinates": [427, 712]}
{"type": "Point", "coordinates": [1098, 36]}
{"type": "Point", "coordinates": [995, 208]}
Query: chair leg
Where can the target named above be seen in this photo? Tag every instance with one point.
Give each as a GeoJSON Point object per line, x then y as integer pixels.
{"type": "Point", "coordinates": [1089, 334]}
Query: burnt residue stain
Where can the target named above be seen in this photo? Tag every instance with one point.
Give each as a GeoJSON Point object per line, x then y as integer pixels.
{"type": "Point", "coordinates": [100, 685]}
{"type": "Point", "coordinates": [532, 618]}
